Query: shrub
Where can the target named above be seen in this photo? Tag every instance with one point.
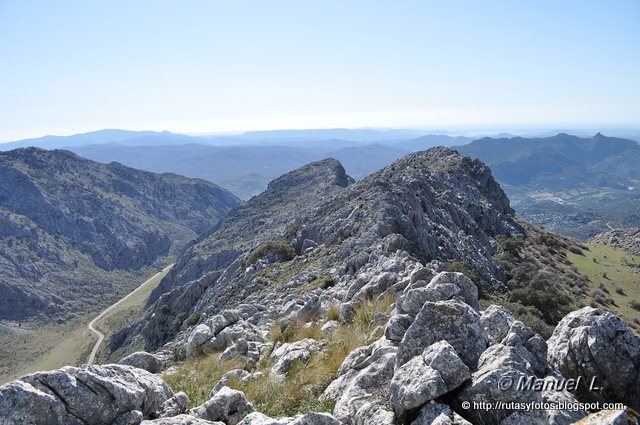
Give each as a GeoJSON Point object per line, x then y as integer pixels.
{"type": "Point", "coordinates": [635, 305]}
{"type": "Point", "coordinates": [512, 246]}
{"type": "Point", "coordinates": [324, 282]}
{"type": "Point", "coordinates": [164, 309]}
{"type": "Point", "coordinates": [528, 315]}
{"type": "Point", "coordinates": [620, 291]}
{"type": "Point", "coordinates": [553, 304]}
{"type": "Point", "coordinates": [193, 319]}
{"type": "Point", "coordinates": [177, 322]}
{"type": "Point", "coordinates": [576, 250]}
{"type": "Point", "coordinates": [283, 250]}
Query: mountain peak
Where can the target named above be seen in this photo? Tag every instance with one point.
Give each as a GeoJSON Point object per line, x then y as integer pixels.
{"type": "Point", "coordinates": [325, 172]}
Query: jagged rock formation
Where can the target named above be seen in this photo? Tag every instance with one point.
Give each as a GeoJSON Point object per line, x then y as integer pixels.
{"type": "Point", "coordinates": [435, 205]}
{"type": "Point", "coordinates": [627, 239]}
{"type": "Point", "coordinates": [65, 221]}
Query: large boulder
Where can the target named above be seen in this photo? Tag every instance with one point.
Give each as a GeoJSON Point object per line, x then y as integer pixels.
{"type": "Point", "coordinates": [143, 360]}
{"type": "Point", "coordinates": [227, 405]}
{"type": "Point", "coordinates": [219, 331]}
{"type": "Point", "coordinates": [289, 353]}
{"type": "Point", "coordinates": [502, 376]}
{"type": "Point", "coordinates": [428, 376]}
{"type": "Point", "coordinates": [362, 387]}
{"type": "Point", "coordinates": [596, 345]}
{"type": "Point", "coordinates": [496, 322]}
{"type": "Point", "coordinates": [452, 321]}
{"type": "Point", "coordinates": [81, 395]}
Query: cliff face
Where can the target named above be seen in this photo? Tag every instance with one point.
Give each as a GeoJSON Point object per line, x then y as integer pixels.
{"type": "Point", "coordinates": [65, 219]}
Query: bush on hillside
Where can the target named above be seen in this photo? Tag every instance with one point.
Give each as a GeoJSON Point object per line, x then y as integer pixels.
{"type": "Point", "coordinates": [281, 249]}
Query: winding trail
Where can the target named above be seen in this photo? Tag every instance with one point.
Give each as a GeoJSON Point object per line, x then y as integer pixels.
{"type": "Point", "coordinates": [100, 335]}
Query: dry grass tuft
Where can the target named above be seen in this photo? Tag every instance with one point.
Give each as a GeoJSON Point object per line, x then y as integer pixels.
{"type": "Point", "coordinates": [196, 377]}
{"type": "Point", "coordinates": [300, 391]}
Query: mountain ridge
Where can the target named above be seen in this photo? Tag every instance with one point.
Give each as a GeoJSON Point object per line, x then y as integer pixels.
{"type": "Point", "coordinates": [55, 205]}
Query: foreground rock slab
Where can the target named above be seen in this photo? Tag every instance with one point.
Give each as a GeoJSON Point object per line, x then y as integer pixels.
{"type": "Point", "coordinates": [83, 395]}
{"type": "Point", "coordinates": [595, 344]}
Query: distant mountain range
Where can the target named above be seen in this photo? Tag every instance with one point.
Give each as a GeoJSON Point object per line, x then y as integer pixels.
{"type": "Point", "coordinates": [72, 229]}
{"type": "Point", "coordinates": [244, 163]}
{"type": "Point", "coordinates": [576, 186]}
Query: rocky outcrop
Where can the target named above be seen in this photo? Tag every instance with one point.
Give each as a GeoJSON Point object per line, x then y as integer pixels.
{"type": "Point", "coordinates": [90, 394]}
{"type": "Point", "coordinates": [438, 413]}
{"type": "Point", "coordinates": [375, 267]}
{"type": "Point", "coordinates": [627, 239]}
{"type": "Point", "coordinates": [429, 206]}
{"type": "Point", "coordinates": [599, 347]}
{"type": "Point", "coordinates": [181, 420]}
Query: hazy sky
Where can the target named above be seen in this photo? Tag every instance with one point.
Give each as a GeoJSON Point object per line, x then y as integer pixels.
{"type": "Point", "coordinates": [208, 66]}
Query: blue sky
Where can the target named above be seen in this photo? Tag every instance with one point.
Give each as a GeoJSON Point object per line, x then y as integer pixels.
{"type": "Point", "coordinates": [212, 66]}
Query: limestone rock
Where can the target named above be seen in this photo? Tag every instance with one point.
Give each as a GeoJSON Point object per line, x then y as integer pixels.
{"type": "Point", "coordinates": [496, 321]}
{"type": "Point", "coordinates": [143, 360]}
{"type": "Point", "coordinates": [428, 376]}
{"type": "Point", "coordinates": [501, 369]}
{"type": "Point", "coordinates": [435, 413]}
{"type": "Point", "coordinates": [596, 344]}
{"type": "Point", "coordinates": [624, 416]}
{"type": "Point", "coordinates": [239, 374]}
{"type": "Point", "coordinates": [181, 420]}
{"type": "Point", "coordinates": [364, 377]}
{"type": "Point", "coordinates": [174, 406]}
{"type": "Point", "coordinates": [452, 321]}
{"type": "Point", "coordinates": [89, 394]}
{"type": "Point", "coordinates": [227, 405]}
{"type": "Point", "coordinates": [285, 355]}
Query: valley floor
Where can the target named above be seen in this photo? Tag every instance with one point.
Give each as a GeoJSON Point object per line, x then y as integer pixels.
{"type": "Point", "coordinates": [36, 346]}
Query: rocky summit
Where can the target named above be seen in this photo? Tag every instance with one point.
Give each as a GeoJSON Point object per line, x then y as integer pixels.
{"type": "Point", "coordinates": [329, 301]}
{"type": "Point", "coordinates": [66, 221]}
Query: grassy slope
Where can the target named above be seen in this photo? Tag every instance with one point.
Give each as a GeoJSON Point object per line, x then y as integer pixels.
{"type": "Point", "coordinates": [613, 268]}
{"type": "Point", "coordinates": [44, 347]}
